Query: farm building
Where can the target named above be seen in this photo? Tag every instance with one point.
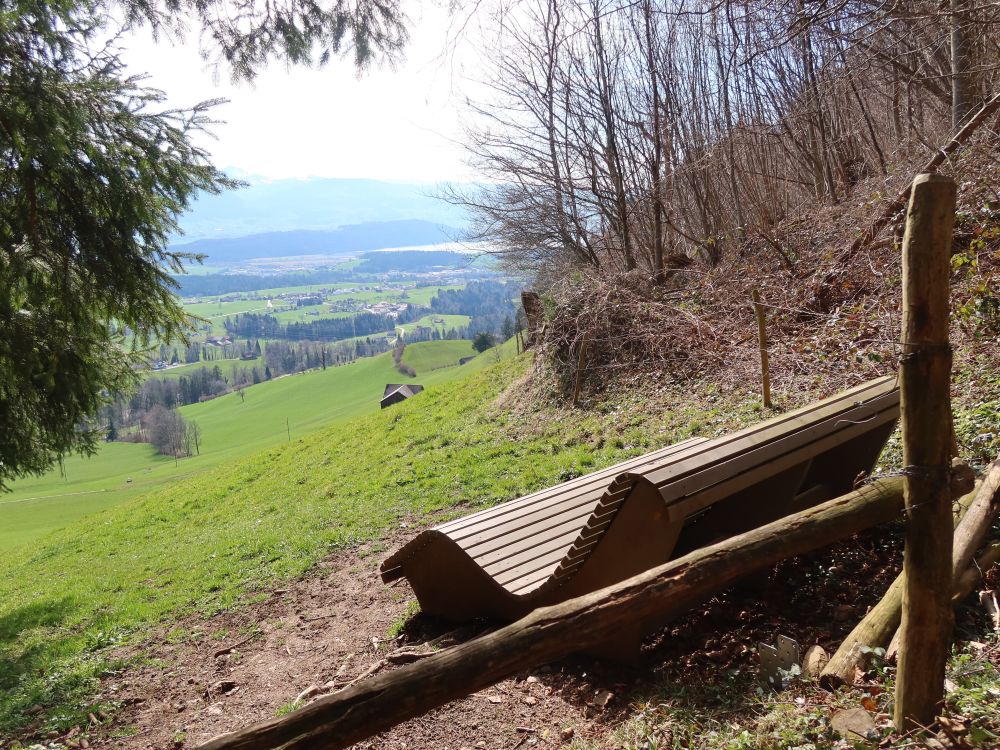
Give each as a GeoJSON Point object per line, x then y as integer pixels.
{"type": "Point", "coordinates": [396, 392]}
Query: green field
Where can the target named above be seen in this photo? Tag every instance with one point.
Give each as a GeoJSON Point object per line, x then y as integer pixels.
{"type": "Point", "coordinates": [450, 321]}
{"type": "Point", "coordinates": [426, 356]}
{"type": "Point", "coordinates": [299, 315]}
{"type": "Point", "coordinates": [271, 413]}
{"type": "Point", "coordinates": [223, 534]}
{"type": "Point", "coordinates": [422, 295]}
{"type": "Point", "coordinates": [227, 366]}
{"type": "Point", "coordinates": [218, 310]}
{"type": "Point", "coordinates": [214, 311]}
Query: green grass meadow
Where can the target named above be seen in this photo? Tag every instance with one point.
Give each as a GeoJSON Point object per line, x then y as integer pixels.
{"type": "Point", "coordinates": [270, 413]}
{"type": "Point", "coordinates": [225, 533]}
{"type": "Point", "coordinates": [214, 310]}
{"type": "Point", "coordinates": [227, 366]}
{"type": "Point", "coordinates": [423, 358]}
{"type": "Point", "coordinates": [450, 321]}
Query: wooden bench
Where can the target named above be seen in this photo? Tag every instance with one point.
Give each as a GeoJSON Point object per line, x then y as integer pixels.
{"type": "Point", "coordinates": [601, 528]}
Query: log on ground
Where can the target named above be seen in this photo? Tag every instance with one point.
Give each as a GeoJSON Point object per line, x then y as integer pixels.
{"type": "Point", "coordinates": [576, 625]}
{"type": "Point", "coordinates": [876, 628]}
{"type": "Point", "coordinates": [969, 536]}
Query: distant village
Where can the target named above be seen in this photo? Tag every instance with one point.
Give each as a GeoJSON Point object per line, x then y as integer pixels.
{"type": "Point", "coordinates": [312, 302]}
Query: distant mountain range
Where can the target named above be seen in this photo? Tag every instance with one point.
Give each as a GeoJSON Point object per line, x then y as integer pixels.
{"type": "Point", "coordinates": [345, 241]}
{"type": "Point", "coordinates": [316, 204]}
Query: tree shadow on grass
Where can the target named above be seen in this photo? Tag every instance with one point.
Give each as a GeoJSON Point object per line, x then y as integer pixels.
{"type": "Point", "coordinates": [29, 647]}
{"type": "Point", "coordinates": [45, 613]}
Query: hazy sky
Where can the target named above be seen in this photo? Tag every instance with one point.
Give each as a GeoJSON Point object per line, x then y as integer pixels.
{"type": "Point", "coordinates": [393, 125]}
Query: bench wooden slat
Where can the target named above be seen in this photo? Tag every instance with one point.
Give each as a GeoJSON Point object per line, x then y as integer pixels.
{"type": "Point", "coordinates": [536, 565]}
{"type": "Point", "coordinates": [532, 546]}
{"type": "Point", "coordinates": [544, 547]}
{"type": "Point", "coordinates": [597, 479]}
{"type": "Point", "coordinates": [515, 521]}
{"type": "Point", "coordinates": [498, 550]}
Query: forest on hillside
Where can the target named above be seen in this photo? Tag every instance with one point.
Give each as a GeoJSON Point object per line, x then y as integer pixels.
{"type": "Point", "coordinates": [679, 181]}
{"type": "Point", "coordinates": [652, 164]}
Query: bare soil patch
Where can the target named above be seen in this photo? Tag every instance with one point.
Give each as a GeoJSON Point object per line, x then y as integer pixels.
{"type": "Point", "coordinates": [210, 676]}
{"type": "Point", "coordinates": [331, 627]}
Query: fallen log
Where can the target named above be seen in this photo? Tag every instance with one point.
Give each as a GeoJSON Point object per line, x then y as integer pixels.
{"type": "Point", "coordinates": [877, 627]}
{"type": "Point", "coordinates": [973, 575]}
{"type": "Point", "coordinates": [969, 535]}
{"type": "Point", "coordinates": [892, 210]}
{"type": "Point", "coordinates": [550, 633]}
{"type": "Point", "coordinates": [975, 525]}
{"type": "Point", "coordinates": [874, 631]}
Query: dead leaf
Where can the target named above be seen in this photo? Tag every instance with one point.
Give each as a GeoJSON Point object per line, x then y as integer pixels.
{"type": "Point", "coordinates": [603, 698]}
{"type": "Point", "coordinates": [952, 726]}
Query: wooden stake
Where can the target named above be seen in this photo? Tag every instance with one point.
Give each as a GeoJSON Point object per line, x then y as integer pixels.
{"type": "Point", "coordinates": [925, 407]}
{"type": "Point", "coordinates": [374, 705]}
{"type": "Point", "coordinates": [765, 368]}
{"type": "Point", "coordinates": [579, 369]}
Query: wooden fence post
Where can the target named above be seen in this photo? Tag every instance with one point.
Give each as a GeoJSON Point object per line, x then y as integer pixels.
{"type": "Point", "coordinates": [765, 367]}
{"type": "Point", "coordinates": [580, 361]}
{"type": "Point", "coordinates": [925, 374]}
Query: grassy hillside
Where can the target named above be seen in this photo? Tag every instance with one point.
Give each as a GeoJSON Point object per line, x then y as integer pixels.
{"type": "Point", "coordinates": [211, 541]}
{"type": "Point", "coordinates": [448, 322]}
{"type": "Point", "coordinates": [425, 356]}
{"type": "Point", "coordinates": [227, 366]}
{"type": "Point", "coordinates": [270, 413]}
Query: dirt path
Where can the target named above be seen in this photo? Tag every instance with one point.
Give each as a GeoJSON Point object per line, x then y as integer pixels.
{"type": "Point", "coordinates": [329, 628]}
{"type": "Point", "coordinates": [205, 677]}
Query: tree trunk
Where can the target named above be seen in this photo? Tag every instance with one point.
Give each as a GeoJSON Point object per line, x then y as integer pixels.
{"type": "Point", "coordinates": [961, 85]}
{"type": "Point", "coordinates": [925, 410]}
{"type": "Point", "coordinates": [550, 633]}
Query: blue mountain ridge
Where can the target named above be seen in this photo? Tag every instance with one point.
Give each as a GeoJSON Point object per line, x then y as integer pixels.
{"type": "Point", "coordinates": [269, 206]}
{"type": "Point", "coordinates": [345, 241]}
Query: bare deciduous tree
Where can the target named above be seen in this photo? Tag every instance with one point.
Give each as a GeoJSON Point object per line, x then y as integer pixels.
{"type": "Point", "coordinates": [625, 135]}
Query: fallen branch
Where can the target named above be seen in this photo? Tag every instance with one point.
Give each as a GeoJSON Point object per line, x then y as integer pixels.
{"type": "Point", "coordinates": [408, 657]}
{"type": "Point", "coordinates": [230, 649]}
{"type": "Point", "coordinates": [975, 525]}
{"type": "Point", "coordinates": [550, 633]}
{"type": "Point", "coordinates": [877, 627]}
{"type": "Point", "coordinates": [899, 203]}
{"type": "Point", "coordinates": [973, 575]}
{"type": "Point", "coordinates": [969, 535]}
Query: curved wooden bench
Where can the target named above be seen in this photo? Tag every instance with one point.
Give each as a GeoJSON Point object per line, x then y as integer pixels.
{"type": "Point", "coordinates": [601, 528]}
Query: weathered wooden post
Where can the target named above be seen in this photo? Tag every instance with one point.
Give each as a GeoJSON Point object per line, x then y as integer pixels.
{"type": "Point", "coordinates": [925, 374]}
{"type": "Point", "coordinates": [765, 367]}
{"type": "Point", "coordinates": [580, 362]}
